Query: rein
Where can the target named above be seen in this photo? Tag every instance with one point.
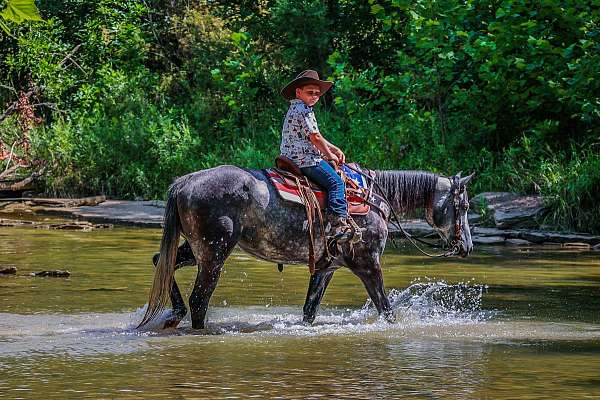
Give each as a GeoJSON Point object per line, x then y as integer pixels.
{"type": "Point", "coordinates": [312, 207]}
{"type": "Point", "coordinates": [456, 243]}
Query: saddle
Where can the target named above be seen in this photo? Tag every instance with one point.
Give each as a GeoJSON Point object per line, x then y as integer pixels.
{"type": "Point", "coordinates": [289, 183]}
{"type": "Point", "coordinates": [292, 186]}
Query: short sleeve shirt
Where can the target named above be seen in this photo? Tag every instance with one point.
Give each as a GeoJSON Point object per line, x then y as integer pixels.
{"type": "Point", "coordinates": [298, 124]}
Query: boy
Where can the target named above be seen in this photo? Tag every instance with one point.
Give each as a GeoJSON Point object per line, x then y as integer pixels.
{"type": "Point", "coordinates": [303, 144]}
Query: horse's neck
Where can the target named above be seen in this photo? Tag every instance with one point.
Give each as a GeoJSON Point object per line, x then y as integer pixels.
{"type": "Point", "coordinates": [407, 191]}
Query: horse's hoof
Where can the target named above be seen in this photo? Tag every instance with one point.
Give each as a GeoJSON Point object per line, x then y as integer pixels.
{"type": "Point", "coordinates": [174, 318]}
{"type": "Point", "coordinates": [171, 323]}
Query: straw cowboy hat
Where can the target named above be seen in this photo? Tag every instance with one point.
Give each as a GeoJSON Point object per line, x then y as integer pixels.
{"type": "Point", "coordinates": [304, 78]}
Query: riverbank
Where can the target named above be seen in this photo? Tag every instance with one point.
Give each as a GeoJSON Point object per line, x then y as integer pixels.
{"type": "Point", "coordinates": [149, 214]}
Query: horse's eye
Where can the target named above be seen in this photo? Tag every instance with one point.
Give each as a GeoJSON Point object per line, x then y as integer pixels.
{"type": "Point", "coordinates": [465, 206]}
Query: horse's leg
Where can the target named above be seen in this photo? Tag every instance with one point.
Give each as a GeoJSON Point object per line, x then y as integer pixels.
{"type": "Point", "coordinates": [211, 252]}
{"type": "Point", "coordinates": [316, 289]}
{"type": "Point", "coordinates": [372, 278]}
{"type": "Point", "coordinates": [179, 309]}
{"type": "Point", "coordinates": [185, 256]}
{"type": "Point", "coordinates": [206, 282]}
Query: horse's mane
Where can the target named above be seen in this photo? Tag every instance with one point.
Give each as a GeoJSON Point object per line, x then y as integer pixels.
{"type": "Point", "coordinates": [407, 190]}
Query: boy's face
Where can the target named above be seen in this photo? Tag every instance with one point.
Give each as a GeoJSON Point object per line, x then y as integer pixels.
{"type": "Point", "coordinates": [309, 94]}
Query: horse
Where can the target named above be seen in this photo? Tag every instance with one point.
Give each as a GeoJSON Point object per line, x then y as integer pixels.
{"type": "Point", "coordinates": [215, 209]}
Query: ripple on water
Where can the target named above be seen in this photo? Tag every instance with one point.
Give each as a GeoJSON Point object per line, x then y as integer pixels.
{"type": "Point", "coordinates": [431, 309]}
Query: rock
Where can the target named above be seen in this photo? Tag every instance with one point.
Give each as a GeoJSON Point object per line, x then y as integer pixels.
{"type": "Point", "coordinates": [557, 237]}
{"type": "Point", "coordinates": [15, 222]}
{"type": "Point", "coordinates": [535, 236]}
{"type": "Point", "coordinates": [134, 213]}
{"type": "Point", "coordinates": [70, 225]}
{"type": "Point", "coordinates": [488, 240]}
{"type": "Point", "coordinates": [103, 226]}
{"type": "Point", "coordinates": [473, 217]}
{"type": "Point", "coordinates": [517, 242]}
{"type": "Point", "coordinates": [481, 231]}
{"type": "Point", "coordinates": [510, 210]}
{"type": "Point", "coordinates": [11, 270]}
{"type": "Point", "coordinates": [414, 227]}
{"type": "Point", "coordinates": [577, 245]}
{"type": "Point", "coordinates": [491, 198]}
{"type": "Point", "coordinates": [157, 203]}
{"type": "Point", "coordinates": [75, 225]}
{"type": "Point", "coordinates": [527, 217]}
{"type": "Point", "coordinates": [521, 212]}
{"type": "Point", "coordinates": [596, 247]}
{"type": "Point", "coordinates": [57, 273]}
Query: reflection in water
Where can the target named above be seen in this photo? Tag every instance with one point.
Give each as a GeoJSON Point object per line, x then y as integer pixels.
{"type": "Point", "coordinates": [508, 325]}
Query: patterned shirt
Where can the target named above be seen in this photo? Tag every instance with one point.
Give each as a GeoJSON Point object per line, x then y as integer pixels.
{"type": "Point", "coordinates": [298, 124]}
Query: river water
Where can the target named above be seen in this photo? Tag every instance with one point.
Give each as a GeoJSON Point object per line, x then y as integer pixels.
{"type": "Point", "coordinates": [504, 323]}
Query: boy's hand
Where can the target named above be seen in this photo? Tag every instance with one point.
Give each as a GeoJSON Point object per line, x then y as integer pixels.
{"type": "Point", "coordinates": [328, 150]}
{"type": "Point", "coordinates": [333, 158]}
{"type": "Point", "coordinates": [339, 154]}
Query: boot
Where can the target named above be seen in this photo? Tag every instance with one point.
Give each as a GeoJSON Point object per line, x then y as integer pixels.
{"type": "Point", "coordinates": [341, 231]}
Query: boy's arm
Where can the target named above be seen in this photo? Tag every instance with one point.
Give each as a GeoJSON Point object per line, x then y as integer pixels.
{"type": "Point", "coordinates": [336, 150]}
{"type": "Point", "coordinates": [328, 150]}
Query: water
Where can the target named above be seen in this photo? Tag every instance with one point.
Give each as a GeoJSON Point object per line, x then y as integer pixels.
{"type": "Point", "coordinates": [502, 324]}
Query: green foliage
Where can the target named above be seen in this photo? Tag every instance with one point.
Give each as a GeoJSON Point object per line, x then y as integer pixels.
{"type": "Point", "coordinates": [142, 92]}
{"type": "Point", "coordinates": [18, 11]}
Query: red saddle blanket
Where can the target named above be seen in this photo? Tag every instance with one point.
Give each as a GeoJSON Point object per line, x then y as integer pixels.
{"type": "Point", "coordinates": [286, 185]}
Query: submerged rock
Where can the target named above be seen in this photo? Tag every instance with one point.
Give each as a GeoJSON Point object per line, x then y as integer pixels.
{"type": "Point", "coordinates": [56, 273]}
{"type": "Point", "coordinates": [15, 222]}
{"type": "Point", "coordinates": [10, 270]}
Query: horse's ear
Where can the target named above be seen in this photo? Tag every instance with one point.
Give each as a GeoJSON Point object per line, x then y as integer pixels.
{"type": "Point", "coordinates": [464, 181]}
{"type": "Point", "coordinates": [458, 175]}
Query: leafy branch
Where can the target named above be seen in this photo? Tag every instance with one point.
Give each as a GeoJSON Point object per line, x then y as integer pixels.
{"type": "Point", "coordinates": [18, 11]}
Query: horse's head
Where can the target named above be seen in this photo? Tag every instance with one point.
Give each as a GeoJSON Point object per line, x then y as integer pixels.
{"type": "Point", "coordinates": [448, 214]}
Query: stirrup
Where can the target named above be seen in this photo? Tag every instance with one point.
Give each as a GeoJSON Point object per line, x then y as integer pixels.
{"type": "Point", "coordinates": [356, 231]}
{"type": "Point", "coordinates": [352, 235]}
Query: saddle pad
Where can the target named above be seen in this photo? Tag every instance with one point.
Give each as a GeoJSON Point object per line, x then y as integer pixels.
{"type": "Point", "coordinates": [358, 179]}
{"type": "Point", "coordinates": [288, 190]}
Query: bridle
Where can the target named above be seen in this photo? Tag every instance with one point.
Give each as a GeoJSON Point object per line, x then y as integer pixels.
{"type": "Point", "coordinates": [460, 203]}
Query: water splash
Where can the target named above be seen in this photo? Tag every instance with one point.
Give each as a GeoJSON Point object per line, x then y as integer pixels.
{"type": "Point", "coordinates": [441, 301]}
{"type": "Point", "coordinates": [432, 301]}
{"type": "Point", "coordinates": [425, 303]}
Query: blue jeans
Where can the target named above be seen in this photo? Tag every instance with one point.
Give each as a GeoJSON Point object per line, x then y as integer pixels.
{"type": "Point", "coordinates": [325, 176]}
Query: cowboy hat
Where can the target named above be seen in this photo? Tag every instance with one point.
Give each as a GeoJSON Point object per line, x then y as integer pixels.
{"type": "Point", "coordinates": [304, 78]}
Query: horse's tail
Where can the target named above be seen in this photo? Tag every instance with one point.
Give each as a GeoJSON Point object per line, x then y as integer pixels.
{"type": "Point", "coordinates": [165, 268]}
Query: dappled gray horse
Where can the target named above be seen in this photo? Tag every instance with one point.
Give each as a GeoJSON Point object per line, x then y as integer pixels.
{"type": "Point", "coordinates": [217, 208]}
